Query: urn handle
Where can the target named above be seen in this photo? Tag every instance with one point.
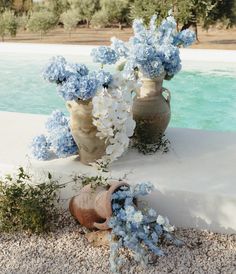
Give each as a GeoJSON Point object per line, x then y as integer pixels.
{"type": "Point", "coordinates": [168, 95]}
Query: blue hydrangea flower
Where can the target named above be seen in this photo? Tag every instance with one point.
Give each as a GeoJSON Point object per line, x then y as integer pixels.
{"type": "Point", "coordinates": [152, 69]}
{"type": "Point", "coordinates": [170, 56]}
{"type": "Point", "coordinates": [69, 90]}
{"type": "Point", "coordinates": [143, 189]}
{"type": "Point", "coordinates": [75, 68]}
{"type": "Point", "coordinates": [59, 139]}
{"type": "Point", "coordinates": [88, 86]}
{"type": "Point", "coordinates": [119, 46]}
{"type": "Point", "coordinates": [40, 148]}
{"type": "Point", "coordinates": [167, 30]}
{"type": "Point", "coordinates": [83, 88]}
{"type": "Point", "coordinates": [104, 55]}
{"type": "Point", "coordinates": [104, 78]}
{"type": "Point", "coordinates": [185, 37]}
{"type": "Point", "coordinates": [56, 120]}
{"type": "Point", "coordinates": [152, 212]}
{"type": "Point", "coordinates": [139, 30]}
{"type": "Point", "coordinates": [62, 142]}
{"type": "Point", "coordinates": [144, 51]}
{"type": "Point", "coordinates": [55, 71]}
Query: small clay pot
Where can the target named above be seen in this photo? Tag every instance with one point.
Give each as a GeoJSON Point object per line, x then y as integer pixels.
{"type": "Point", "coordinates": [92, 207]}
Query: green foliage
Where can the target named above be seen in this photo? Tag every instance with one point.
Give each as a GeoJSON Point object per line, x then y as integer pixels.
{"type": "Point", "coordinates": [70, 20]}
{"type": "Point", "coordinates": [57, 7]}
{"type": "Point", "coordinates": [85, 8]}
{"type": "Point", "coordinates": [225, 13]}
{"type": "Point", "coordinates": [8, 24]}
{"type": "Point", "coordinates": [5, 4]}
{"type": "Point", "coordinates": [41, 21]}
{"type": "Point", "coordinates": [100, 19]}
{"type": "Point", "coordinates": [93, 181]}
{"type": "Point", "coordinates": [22, 21]}
{"type": "Point", "coordinates": [102, 13]}
{"type": "Point", "coordinates": [145, 9]}
{"type": "Point", "coordinates": [162, 145]}
{"type": "Point", "coordinates": [115, 11]}
{"type": "Point", "coordinates": [25, 205]}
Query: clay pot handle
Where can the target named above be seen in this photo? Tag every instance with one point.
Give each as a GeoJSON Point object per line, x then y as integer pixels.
{"type": "Point", "coordinates": [102, 226]}
{"type": "Point", "coordinates": [168, 93]}
{"type": "Point", "coordinates": [69, 106]}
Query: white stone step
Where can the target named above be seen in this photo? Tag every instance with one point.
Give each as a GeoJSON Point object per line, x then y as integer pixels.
{"type": "Point", "coordinates": [195, 181]}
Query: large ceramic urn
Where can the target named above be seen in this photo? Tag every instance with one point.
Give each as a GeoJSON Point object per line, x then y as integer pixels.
{"type": "Point", "coordinates": [151, 110]}
{"type": "Point", "coordinates": [92, 206]}
{"type": "Point", "coordinates": [91, 147]}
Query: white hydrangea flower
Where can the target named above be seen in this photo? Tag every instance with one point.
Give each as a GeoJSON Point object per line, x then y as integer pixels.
{"type": "Point", "coordinates": [165, 223]}
{"type": "Point", "coordinates": [138, 217]}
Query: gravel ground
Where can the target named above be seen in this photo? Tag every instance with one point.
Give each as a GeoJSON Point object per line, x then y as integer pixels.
{"type": "Point", "coordinates": [66, 250]}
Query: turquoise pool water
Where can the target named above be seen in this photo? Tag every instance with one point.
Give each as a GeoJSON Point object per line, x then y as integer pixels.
{"type": "Point", "coordinates": [199, 100]}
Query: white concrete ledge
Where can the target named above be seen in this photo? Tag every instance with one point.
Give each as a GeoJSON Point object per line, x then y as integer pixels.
{"type": "Point", "coordinates": [195, 180]}
{"type": "Point", "coordinates": [206, 55]}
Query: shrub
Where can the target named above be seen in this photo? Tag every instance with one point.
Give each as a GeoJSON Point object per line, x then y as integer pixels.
{"type": "Point", "coordinates": [42, 22]}
{"type": "Point", "coordinates": [22, 21]}
{"type": "Point", "coordinates": [8, 24]}
{"type": "Point", "coordinates": [27, 206]}
{"type": "Point", "coordinates": [70, 20]}
{"type": "Point", "coordinates": [100, 19]}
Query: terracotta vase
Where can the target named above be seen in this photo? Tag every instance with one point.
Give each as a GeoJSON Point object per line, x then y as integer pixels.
{"type": "Point", "coordinates": [92, 207]}
{"type": "Point", "coordinates": [151, 110]}
{"type": "Point", "coordinates": [91, 148]}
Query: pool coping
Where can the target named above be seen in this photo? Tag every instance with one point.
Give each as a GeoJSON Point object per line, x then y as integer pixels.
{"type": "Point", "coordinates": [211, 55]}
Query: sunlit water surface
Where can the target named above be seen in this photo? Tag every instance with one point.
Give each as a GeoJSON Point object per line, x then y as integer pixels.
{"type": "Point", "coordinates": [200, 99]}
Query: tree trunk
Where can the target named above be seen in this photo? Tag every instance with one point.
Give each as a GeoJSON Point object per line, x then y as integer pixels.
{"type": "Point", "coordinates": [3, 38]}
{"type": "Point", "coordinates": [120, 26]}
{"type": "Point", "coordinates": [87, 23]}
{"type": "Point", "coordinates": [196, 31]}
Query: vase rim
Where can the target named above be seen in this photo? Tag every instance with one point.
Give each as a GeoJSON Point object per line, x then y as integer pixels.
{"type": "Point", "coordinates": [161, 76]}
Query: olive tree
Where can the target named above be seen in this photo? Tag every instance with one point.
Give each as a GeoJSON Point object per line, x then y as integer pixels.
{"type": "Point", "coordinates": [100, 19]}
{"type": "Point", "coordinates": [22, 22]}
{"type": "Point", "coordinates": [70, 20]}
{"type": "Point", "coordinates": [85, 8]}
{"type": "Point", "coordinates": [8, 24]}
{"type": "Point", "coordinates": [116, 11]}
{"type": "Point", "coordinates": [145, 9]}
{"type": "Point", "coordinates": [57, 7]}
{"type": "Point", "coordinates": [42, 22]}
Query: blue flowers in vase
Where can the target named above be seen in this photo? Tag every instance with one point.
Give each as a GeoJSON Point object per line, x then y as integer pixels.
{"type": "Point", "coordinates": [152, 51]}
{"type": "Point", "coordinates": [74, 80]}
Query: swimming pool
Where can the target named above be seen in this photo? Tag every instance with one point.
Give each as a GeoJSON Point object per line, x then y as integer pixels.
{"type": "Point", "coordinates": [201, 98]}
